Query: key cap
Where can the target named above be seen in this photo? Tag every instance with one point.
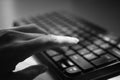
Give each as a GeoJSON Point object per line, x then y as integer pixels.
{"type": "Point", "coordinates": [66, 62]}
{"type": "Point", "coordinates": [65, 48]}
{"type": "Point", "coordinates": [81, 39]}
{"type": "Point", "coordinates": [110, 38]}
{"type": "Point", "coordinates": [105, 46]}
{"type": "Point", "coordinates": [86, 35]}
{"type": "Point", "coordinates": [52, 52]}
{"type": "Point", "coordinates": [118, 45]}
{"type": "Point", "coordinates": [93, 38]}
{"type": "Point", "coordinates": [85, 43]}
{"type": "Point", "coordinates": [58, 58]}
{"type": "Point", "coordinates": [115, 52]}
{"type": "Point", "coordinates": [83, 51]}
{"type": "Point", "coordinates": [63, 65]}
{"type": "Point", "coordinates": [73, 69]}
{"type": "Point", "coordinates": [99, 42]}
{"type": "Point", "coordinates": [70, 52]}
{"type": "Point", "coordinates": [70, 63]}
{"type": "Point", "coordinates": [74, 35]}
{"type": "Point", "coordinates": [99, 51]}
{"type": "Point", "coordinates": [81, 62]}
{"type": "Point", "coordinates": [105, 59]}
{"type": "Point", "coordinates": [90, 56]}
{"type": "Point", "coordinates": [76, 47]}
{"type": "Point", "coordinates": [92, 47]}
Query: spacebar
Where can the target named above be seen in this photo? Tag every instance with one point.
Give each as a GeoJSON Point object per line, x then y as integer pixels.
{"type": "Point", "coordinates": [81, 62]}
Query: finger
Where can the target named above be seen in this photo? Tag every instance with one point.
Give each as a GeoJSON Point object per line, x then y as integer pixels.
{"type": "Point", "coordinates": [42, 43]}
{"type": "Point", "coordinates": [31, 28]}
{"type": "Point", "coordinates": [48, 41]}
{"type": "Point", "coordinates": [30, 73]}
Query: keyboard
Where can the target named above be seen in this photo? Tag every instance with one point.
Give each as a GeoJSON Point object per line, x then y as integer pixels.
{"type": "Point", "coordinates": [96, 56]}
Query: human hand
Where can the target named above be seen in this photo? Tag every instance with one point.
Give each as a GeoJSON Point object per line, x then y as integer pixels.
{"type": "Point", "coordinates": [17, 44]}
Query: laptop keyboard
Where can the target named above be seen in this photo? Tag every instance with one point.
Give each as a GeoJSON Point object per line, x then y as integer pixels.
{"type": "Point", "coordinates": [94, 51]}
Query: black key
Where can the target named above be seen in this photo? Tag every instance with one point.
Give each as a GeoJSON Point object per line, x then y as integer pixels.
{"type": "Point", "coordinates": [109, 38]}
{"type": "Point", "coordinates": [76, 47]}
{"type": "Point", "coordinates": [70, 52]}
{"type": "Point", "coordinates": [83, 51]}
{"type": "Point", "coordinates": [99, 51]}
{"type": "Point", "coordinates": [105, 59]}
{"type": "Point", "coordinates": [63, 65]}
{"type": "Point", "coordinates": [92, 38]}
{"type": "Point", "coordinates": [92, 47]}
{"type": "Point", "coordinates": [64, 48]}
{"type": "Point", "coordinates": [52, 52]}
{"type": "Point", "coordinates": [115, 52]}
{"type": "Point", "coordinates": [85, 43]}
{"type": "Point", "coordinates": [58, 58]}
{"type": "Point", "coordinates": [66, 62]}
{"type": "Point", "coordinates": [72, 70]}
{"type": "Point", "coordinates": [99, 42]}
{"type": "Point", "coordinates": [81, 62]}
{"type": "Point", "coordinates": [90, 56]}
{"type": "Point", "coordinates": [81, 39]}
{"type": "Point", "coordinates": [118, 45]}
{"type": "Point", "coordinates": [105, 46]}
{"type": "Point", "coordinates": [86, 35]}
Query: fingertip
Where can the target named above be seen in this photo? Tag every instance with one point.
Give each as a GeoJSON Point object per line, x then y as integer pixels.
{"type": "Point", "coordinates": [65, 39]}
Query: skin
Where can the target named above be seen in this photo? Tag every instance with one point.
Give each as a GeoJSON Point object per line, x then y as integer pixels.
{"type": "Point", "coordinates": [17, 44]}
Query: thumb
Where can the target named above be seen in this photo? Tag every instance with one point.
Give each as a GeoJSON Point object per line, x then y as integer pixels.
{"type": "Point", "coordinates": [29, 73]}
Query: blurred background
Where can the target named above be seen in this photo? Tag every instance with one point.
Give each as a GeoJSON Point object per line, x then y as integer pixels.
{"type": "Point", "coordinates": [105, 13]}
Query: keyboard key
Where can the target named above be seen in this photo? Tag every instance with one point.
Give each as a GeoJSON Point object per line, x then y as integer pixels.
{"type": "Point", "coordinates": [63, 65]}
{"type": "Point", "coordinates": [83, 51]}
{"type": "Point", "coordinates": [76, 47]}
{"type": "Point", "coordinates": [92, 38]}
{"type": "Point", "coordinates": [118, 45]}
{"type": "Point", "coordinates": [99, 51]}
{"type": "Point", "coordinates": [92, 47]}
{"type": "Point", "coordinates": [58, 58]}
{"type": "Point", "coordinates": [85, 43]}
{"type": "Point", "coordinates": [73, 69]}
{"type": "Point", "coordinates": [105, 59]}
{"type": "Point", "coordinates": [99, 42]}
{"type": "Point", "coordinates": [81, 62]}
{"type": "Point", "coordinates": [74, 35]}
{"type": "Point", "coordinates": [86, 35]}
{"type": "Point", "coordinates": [81, 39]}
{"type": "Point", "coordinates": [65, 48]}
{"type": "Point", "coordinates": [109, 38]}
{"type": "Point", "coordinates": [52, 52]}
{"type": "Point", "coordinates": [90, 56]}
{"type": "Point", "coordinates": [55, 32]}
{"type": "Point", "coordinates": [80, 32]}
{"type": "Point", "coordinates": [70, 63]}
{"type": "Point", "coordinates": [105, 46]}
{"type": "Point", "coordinates": [70, 52]}
{"type": "Point", "coordinates": [115, 52]}
{"type": "Point", "coordinates": [113, 42]}
{"type": "Point", "coordinates": [105, 37]}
